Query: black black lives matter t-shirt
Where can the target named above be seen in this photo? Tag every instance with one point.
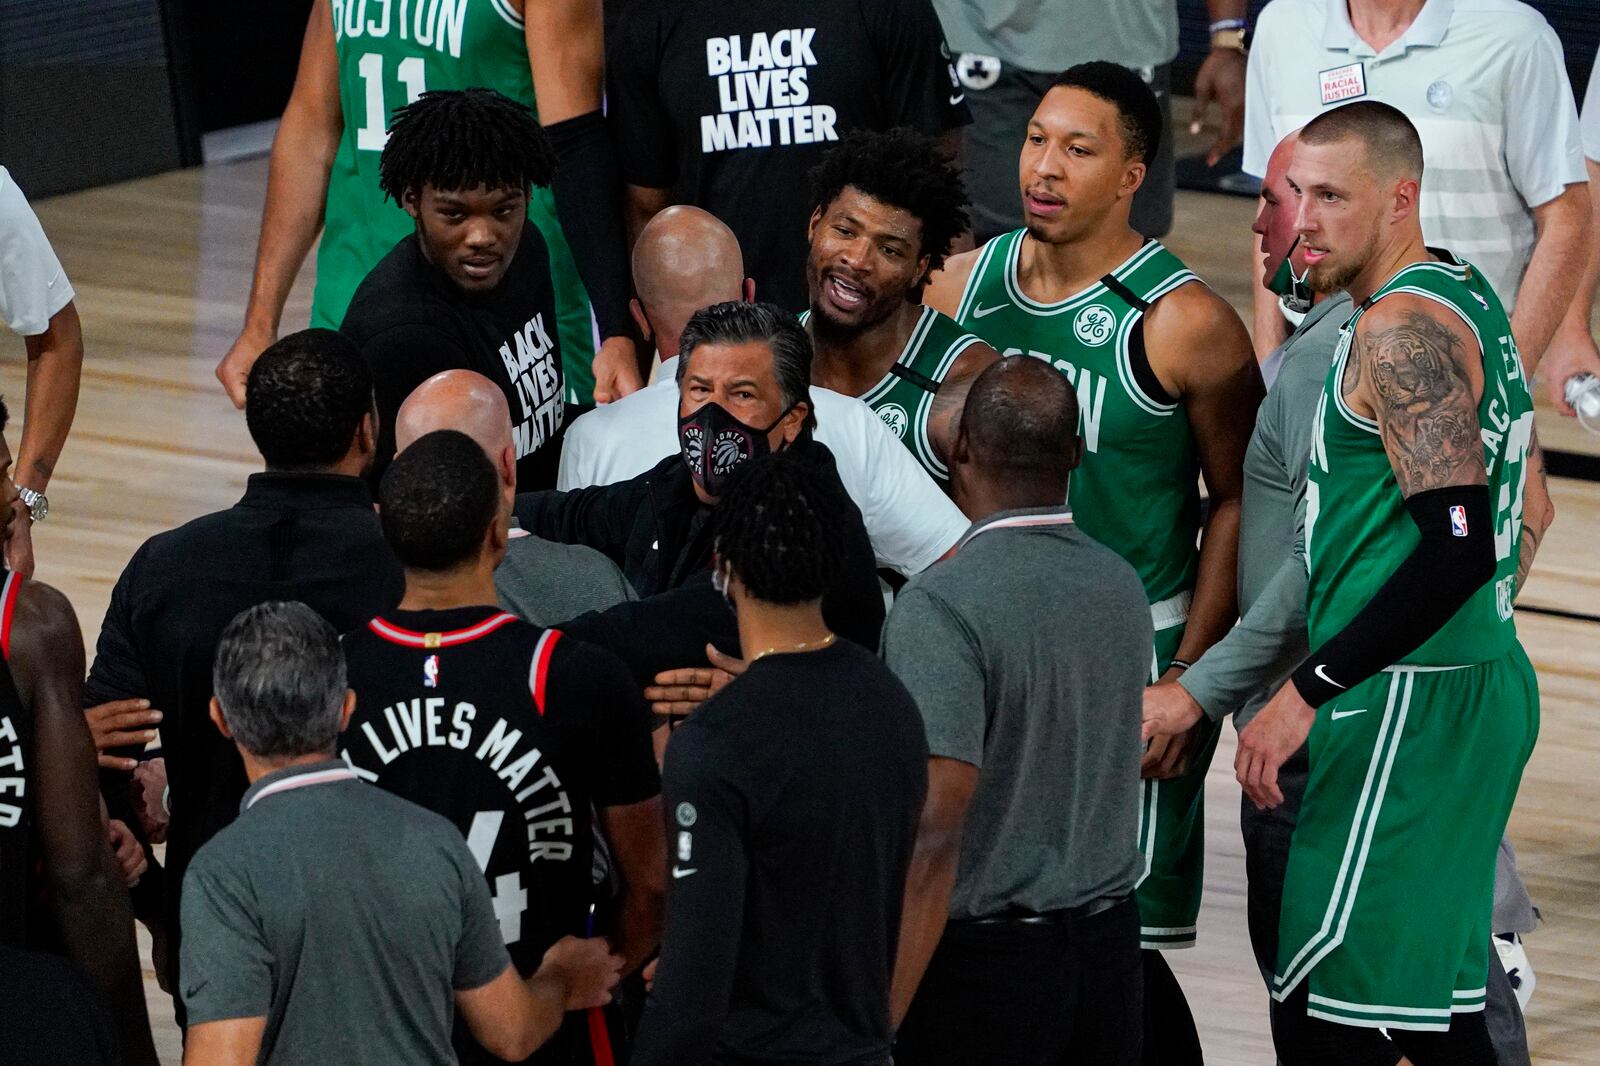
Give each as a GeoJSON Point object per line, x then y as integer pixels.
{"type": "Point", "coordinates": [411, 322]}
{"type": "Point", "coordinates": [730, 105]}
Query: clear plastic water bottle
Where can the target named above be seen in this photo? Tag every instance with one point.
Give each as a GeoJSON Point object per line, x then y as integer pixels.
{"type": "Point", "coordinates": [1583, 393]}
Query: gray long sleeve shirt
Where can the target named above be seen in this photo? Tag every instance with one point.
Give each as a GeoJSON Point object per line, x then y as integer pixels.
{"type": "Point", "coordinates": [1240, 672]}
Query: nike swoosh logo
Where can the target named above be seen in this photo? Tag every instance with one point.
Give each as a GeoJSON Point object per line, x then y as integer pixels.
{"type": "Point", "coordinates": [1346, 714]}
{"type": "Point", "coordinates": [957, 98]}
{"type": "Point", "coordinates": [680, 871]}
{"type": "Point", "coordinates": [1318, 670]}
{"type": "Point", "coordinates": [980, 312]}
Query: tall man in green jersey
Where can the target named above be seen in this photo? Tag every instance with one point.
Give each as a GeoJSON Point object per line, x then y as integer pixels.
{"type": "Point", "coordinates": [361, 60]}
{"type": "Point", "coordinates": [887, 207]}
{"type": "Point", "coordinates": [1419, 703]}
{"type": "Point", "coordinates": [1167, 390]}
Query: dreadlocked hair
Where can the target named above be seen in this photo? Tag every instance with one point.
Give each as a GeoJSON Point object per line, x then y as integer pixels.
{"type": "Point", "coordinates": [781, 527]}
{"type": "Point", "coordinates": [904, 169]}
{"type": "Point", "coordinates": [461, 139]}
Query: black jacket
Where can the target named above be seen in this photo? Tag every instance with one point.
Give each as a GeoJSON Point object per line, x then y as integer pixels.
{"type": "Point", "coordinates": [656, 529]}
{"type": "Point", "coordinates": [308, 537]}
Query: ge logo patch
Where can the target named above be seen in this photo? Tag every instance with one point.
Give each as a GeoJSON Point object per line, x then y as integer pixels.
{"type": "Point", "coordinates": [977, 72]}
{"type": "Point", "coordinates": [1094, 324]}
{"type": "Point", "coordinates": [686, 814]}
{"type": "Point", "coordinates": [894, 416]}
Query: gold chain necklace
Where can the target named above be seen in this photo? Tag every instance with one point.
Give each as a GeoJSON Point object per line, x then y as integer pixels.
{"type": "Point", "coordinates": [805, 645]}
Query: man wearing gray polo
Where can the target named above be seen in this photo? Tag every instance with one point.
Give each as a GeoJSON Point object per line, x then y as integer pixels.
{"type": "Point", "coordinates": [1026, 653]}
{"type": "Point", "coordinates": [333, 921]}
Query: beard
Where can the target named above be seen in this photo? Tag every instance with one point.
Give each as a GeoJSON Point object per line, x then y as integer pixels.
{"type": "Point", "coordinates": [1336, 273]}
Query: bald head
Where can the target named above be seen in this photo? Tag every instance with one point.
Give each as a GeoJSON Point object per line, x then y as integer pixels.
{"type": "Point", "coordinates": [462, 400]}
{"type": "Point", "coordinates": [1278, 162]}
{"type": "Point", "coordinates": [1020, 424]}
{"type": "Point", "coordinates": [685, 259]}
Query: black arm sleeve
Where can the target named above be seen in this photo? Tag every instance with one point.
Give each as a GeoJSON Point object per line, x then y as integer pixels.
{"type": "Point", "coordinates": [1451, 562]}
{"type": "Point", "coordinates": [706, 822]}
{"type": "Point", "coordinates": [588, 196]}
{"type": "Point", "coordinates": [648, 154]}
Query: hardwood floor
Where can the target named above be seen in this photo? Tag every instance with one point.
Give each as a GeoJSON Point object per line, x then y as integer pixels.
{"type": "Point", "coordinates": [162, 269]}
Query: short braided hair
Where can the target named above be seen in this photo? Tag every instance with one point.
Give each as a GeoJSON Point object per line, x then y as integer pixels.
{"type": "Point", "coordinates": [902, 168]}
{"type": "Point", "coordinates": [781, 528]}
{"type": "Point", "coordinates": [461, 139]}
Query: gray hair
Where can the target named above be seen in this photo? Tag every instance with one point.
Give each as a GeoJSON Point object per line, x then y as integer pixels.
{"type": "Point", "coordinates": [737, 322]}
{"type": "Point", "coordinates": [280, 678]}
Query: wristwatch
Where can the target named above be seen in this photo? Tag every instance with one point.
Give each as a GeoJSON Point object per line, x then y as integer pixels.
{"type": "Point", "coordinates": [1234, 40]}
{"type": "Point", "coordinates": [38, 503]}
{"type": "Point", "coordinates": [1231, 35]}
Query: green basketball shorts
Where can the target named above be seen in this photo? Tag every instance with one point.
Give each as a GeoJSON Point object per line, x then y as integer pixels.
{"type": "Point", "coordinates": [1390, 883]}
{"type": "Point", "coordinates": [1172, 820]}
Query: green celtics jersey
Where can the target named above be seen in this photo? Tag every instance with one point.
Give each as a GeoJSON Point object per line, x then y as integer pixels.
{"type": "Point", "coordinates": [904, 398]}
{"type": "Point", "coordinates": [1137, 490]}
{"type": "Point", "coordinates": [390, 52]}
{"type": "Point", "coordinates": [1357, 527]}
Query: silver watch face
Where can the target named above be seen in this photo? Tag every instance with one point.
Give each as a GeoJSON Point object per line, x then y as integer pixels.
{"type": "Point", "coordinates": [37, 503]}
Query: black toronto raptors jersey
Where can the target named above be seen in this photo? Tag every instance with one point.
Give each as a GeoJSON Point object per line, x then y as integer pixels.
{"type": "Point", "coordinates": [19, 855]}
{"type": "Point", "coordinates": [511, 732]}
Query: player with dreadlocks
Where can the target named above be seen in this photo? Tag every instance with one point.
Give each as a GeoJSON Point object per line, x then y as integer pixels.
{"type": "Point", "coordinates": [470, 287]}
{"type": "Point", "coordinates": [885, 209]}
{"type": "Point", "coordinates": [792, 796]}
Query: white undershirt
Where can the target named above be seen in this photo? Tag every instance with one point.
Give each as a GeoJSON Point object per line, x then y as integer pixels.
{"type": "Point", "coordinates": [909, 519]}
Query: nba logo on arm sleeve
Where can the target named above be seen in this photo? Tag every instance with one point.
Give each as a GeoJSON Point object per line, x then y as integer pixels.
{"type": "Point", "coordinates": [1458, 520]}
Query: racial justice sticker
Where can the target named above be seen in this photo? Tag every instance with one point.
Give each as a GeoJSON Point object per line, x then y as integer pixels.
{"type": "Point", "coordinates": [1339, 84]}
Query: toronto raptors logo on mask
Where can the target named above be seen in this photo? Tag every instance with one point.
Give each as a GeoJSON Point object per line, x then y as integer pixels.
{"type": "Point", "coordinates": [732, 444]}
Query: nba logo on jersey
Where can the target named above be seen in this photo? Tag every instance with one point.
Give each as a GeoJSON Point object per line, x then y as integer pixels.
{"type": "Point", "coordinates": [1458, 521]}
{"type": "Point", "coordinates": [430, 672]}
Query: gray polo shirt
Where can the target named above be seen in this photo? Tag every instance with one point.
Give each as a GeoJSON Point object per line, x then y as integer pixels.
{"type": "Point", "coordinates": [1027, 654]}
{"type": "Point", "coordinates": [344, 915]}
{"type": "Point", "coordinates": [1241, 671]}
{"type": "Point", "coordinates": [1047, 36]}
{"type": "Point", "coordinates": [544, 583]}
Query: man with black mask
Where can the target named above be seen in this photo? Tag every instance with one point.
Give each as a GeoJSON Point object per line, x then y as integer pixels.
{"type": "Point", "coordinates": [744, 390]}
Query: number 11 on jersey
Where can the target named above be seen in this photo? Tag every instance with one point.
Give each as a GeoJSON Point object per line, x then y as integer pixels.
{"type": "Point", "coordinates": [374, 131]}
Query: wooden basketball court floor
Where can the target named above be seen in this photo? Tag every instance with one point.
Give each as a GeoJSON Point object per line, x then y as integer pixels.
{"type": "Point", "coordinates": [162, 269]}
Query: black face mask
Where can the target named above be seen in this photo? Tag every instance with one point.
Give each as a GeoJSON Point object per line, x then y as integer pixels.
{"type": "Point", "coordinates": [713, 444]}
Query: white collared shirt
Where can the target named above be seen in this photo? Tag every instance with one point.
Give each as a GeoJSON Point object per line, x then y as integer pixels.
{"type": "Point", "coordinates": [33, 287]}
{"type": "Point", "coordinates": [909, 519]}
{"type": "Point", "coordinates": [1485, 83]}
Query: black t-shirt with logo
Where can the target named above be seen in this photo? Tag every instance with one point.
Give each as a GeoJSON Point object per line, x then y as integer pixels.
{"type": "Point", "coordinates": [512, 732]}
{"type": "Point", "coordinates": [730, 105]}
{"type": "Point", "coordinates": [411, 322]}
